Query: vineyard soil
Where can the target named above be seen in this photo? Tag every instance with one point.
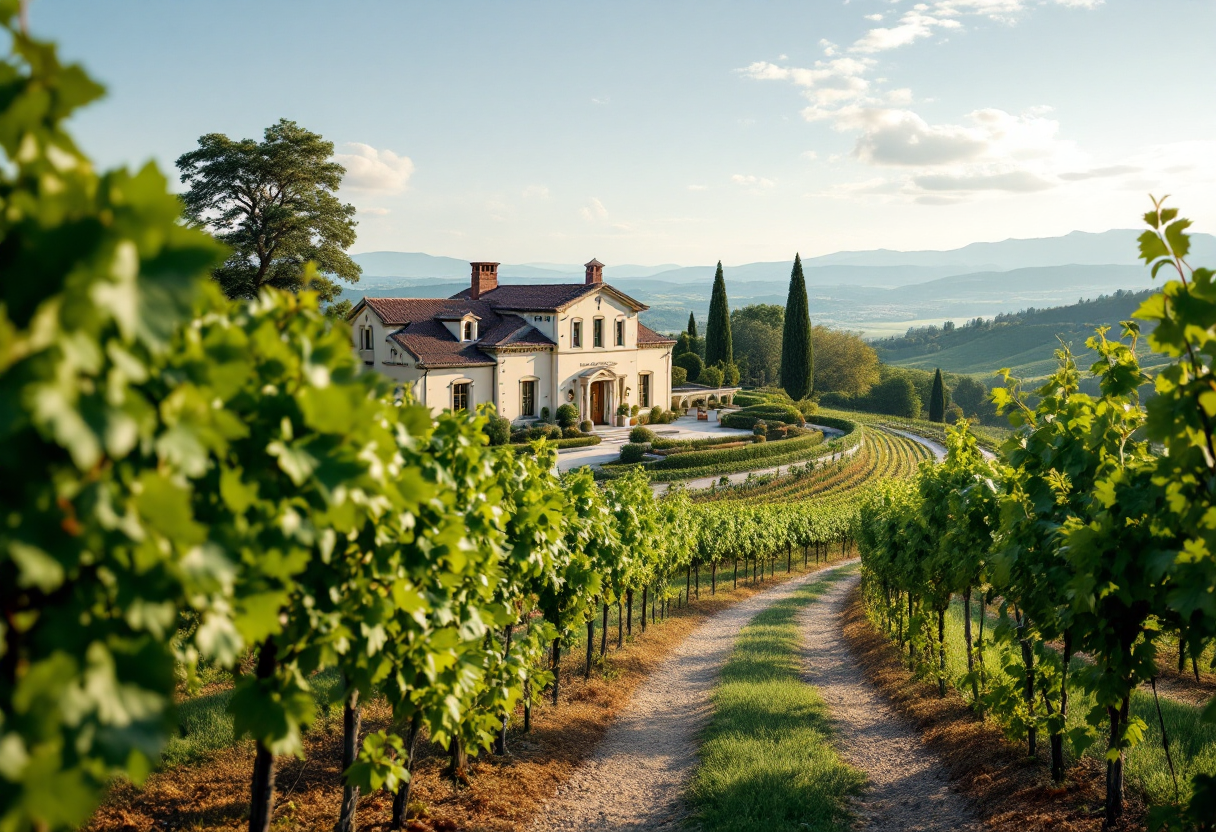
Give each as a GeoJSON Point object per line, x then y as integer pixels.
{"type": "Point", "coordinates": [501, 794]}
{"type": "Point", "coordinates": [636, 777]}
{"type": "Point", "coordinates": [1011, 792]}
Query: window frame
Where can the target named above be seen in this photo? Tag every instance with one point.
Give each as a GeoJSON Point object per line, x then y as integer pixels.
{"type": "Point", "coordinates": [645, 389]}
{"type": "Point", "coordinates": [619, 332]}
{"type": "Point", "coordinates": [468, 395]}
{"type": "Point", "coordinates": [597, 333]}
{"type": "Point", "coordinates": [576, 334]}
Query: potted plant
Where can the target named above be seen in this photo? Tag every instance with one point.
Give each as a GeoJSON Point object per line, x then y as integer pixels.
{"type": "Point", "coordinates": [622, 415]}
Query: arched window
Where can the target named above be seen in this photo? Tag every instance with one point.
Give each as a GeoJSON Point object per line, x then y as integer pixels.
{"type": "Point", "coordinates": [470, 332]}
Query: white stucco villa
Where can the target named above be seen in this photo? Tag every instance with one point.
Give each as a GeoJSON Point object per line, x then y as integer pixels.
{"type": "Point", "coordinates": [521, 347]}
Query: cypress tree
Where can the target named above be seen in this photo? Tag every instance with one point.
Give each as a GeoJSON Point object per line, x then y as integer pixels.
{"type": "Point", "coordinates": [717, 329]}
{"type": "Point", "coordinates": [797, 356]}
{"type": "Point", "coordinates": [937, 399]}
{"type": "Point", "coordinates": [692, 325]}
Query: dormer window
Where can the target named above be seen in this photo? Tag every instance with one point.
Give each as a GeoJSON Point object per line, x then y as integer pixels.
{"type": "Point", "coordinates": [469, 331]}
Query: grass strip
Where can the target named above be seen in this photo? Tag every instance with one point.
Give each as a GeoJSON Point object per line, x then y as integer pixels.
{"type": "Point", "coordinates": [767, 761]}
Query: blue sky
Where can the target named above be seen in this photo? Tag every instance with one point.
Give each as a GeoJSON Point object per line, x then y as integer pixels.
{"type": "Point", "coordinates": [681, 132]}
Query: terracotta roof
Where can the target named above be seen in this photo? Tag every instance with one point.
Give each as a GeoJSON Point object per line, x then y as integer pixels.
{"type": "Point", "coordinates": [545, 297]}
{"type": "Point", "coordinates": [647, 337]}
{"type": "Point", "coordinates": [433, 344]}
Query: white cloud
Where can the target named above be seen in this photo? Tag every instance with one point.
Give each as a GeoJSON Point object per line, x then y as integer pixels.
{"type": "Point", "coordinates": [875, 17]}
{"type": "Point", "coordinates": [809, 155]}
{"type": "Point", "coordinates": [536, 192]}
{"type": "Point", "coordinates": [1019, 181]}
{"type": "Point", "coordinates": [375, 212]}
{"type": "Point", "coordinates": [698, 187]}
{"type": "Point", "coordinates": [593, 210]}
{"type": "Point", "coordinates": [369, 169]}
{"type": "Point", "coordinates": [754, 183]}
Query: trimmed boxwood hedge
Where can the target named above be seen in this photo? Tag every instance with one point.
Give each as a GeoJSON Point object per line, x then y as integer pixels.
{"type": "Point", "coordinates": [708, 442]}
{"type": "Point", "coordinates": [710, 457]}
{"type": "Point", "coordinates": [747, 418]}
{"type": "Point", "coordinates": [577, 442]}
{"type": "Point", "coordinates": [795, 455]}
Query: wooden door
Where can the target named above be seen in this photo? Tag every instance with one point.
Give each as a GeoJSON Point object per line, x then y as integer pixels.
{"type": "Point", "coordinates": [597, 403]}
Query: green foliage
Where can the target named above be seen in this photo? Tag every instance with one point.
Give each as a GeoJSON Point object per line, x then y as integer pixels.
{"type": "Point", "coordinates": [586, 426]}
{"type": "Point", "coordinates": [567, 416]}
{"type": "Point", "coordinates": [797, 357]}
{"type": "Point", "coordinates": [711, 377]}
{"type": "Point", "coordinates": [498, 430]}
{"type": "Point", "coordinates": [756, 342]}
{"type": "Point", "coordinates": [93, 476]}
{"type": "Point", "coordinates": [747, 417]}
{"type": "Point", "coordinates": [679, 376]}
{"type": "Point", "coordinates": [641, 435]}
{"type": "Point", "coordinates": [1096, 543]}
{"type": "Point", "coordinates": [691, 364]}
{"type": "Point", "coordinates": [274, 204]}
{"type": "Point", "coordinates": [692, 326]}
{"type": "Point", "coordinates": [558, 444]}
{"type": "Point", "coordinates": [717, 329]}
{"type": "Point", "coordinates": [937, 399]}
{"type": "Point", "coordinates": [633, 451]}
{"type": "Point", "coordinates": [844, 363]}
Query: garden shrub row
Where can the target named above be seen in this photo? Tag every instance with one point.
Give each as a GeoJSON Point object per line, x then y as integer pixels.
{"type": "Point", "coordinates": [695, 444]}
{"type": "Point", "coordinates": [560, 444]}
{"type": "Point", "coordinates": [747, 418]}
{"type": "Point", "coordinates": [789, 453]}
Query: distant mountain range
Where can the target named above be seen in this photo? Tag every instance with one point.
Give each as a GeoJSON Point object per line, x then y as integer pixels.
{"type": "Point", "coordinates": [878, 292]}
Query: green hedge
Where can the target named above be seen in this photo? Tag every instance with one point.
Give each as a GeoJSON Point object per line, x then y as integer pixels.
{"type": "Point", "coordinates": [747, 418]}
{"type": "Point", "coordinates": [833, 422]}
{"type": "Point", "coordinates": [797, 453]}
{"type": "Point", "coordinates": [577, 442]}
{"type": "Point", "coordinates": [662, 444]}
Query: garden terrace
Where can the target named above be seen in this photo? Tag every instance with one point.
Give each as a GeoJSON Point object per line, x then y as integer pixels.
{"type": "Point", "coordinates": [690, 395]}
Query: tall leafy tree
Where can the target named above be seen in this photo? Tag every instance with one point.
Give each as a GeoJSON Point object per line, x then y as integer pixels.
{"type": "Point", "coordinates": [937, 399]}
{"type": "Point", "coordinates": [718, 346]}
{"type": "Point", "coordinates": [692, 325]}
{"type": "Point", "coordinates": [797, 356]}
{"type": "Point", "coordinates": [275, 204]}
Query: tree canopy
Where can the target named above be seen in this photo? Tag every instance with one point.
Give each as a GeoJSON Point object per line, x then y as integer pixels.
{"type": "Point", "coordinates": [275, 204]}
{"type": "Point", "coordinates": [937, 399]}
{"type": "Point", "coordinates": [757, 343]}
{"type": "Point", "coordinates": [718, 346]}
{"type": "Point", "coordinates": [844, 363]}
{"type": "Point", "coordinates": [797, 356]}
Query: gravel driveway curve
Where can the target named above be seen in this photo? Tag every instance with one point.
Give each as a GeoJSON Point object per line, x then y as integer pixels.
{"type": "Point", "coordinates": [908, 788]}
{"type": "Point", "coordinates": [636, 777]}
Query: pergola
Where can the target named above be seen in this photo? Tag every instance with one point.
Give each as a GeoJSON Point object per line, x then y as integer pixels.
{"type": "Point", "coordinates": [687, 395]}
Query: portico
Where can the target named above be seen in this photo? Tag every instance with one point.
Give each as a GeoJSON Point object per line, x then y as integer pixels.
{"type": "Point", "coordinates": [599, 391]}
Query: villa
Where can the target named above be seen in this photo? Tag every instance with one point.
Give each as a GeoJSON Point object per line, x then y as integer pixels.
{"type": "Point", "coordinates": [523, 348]}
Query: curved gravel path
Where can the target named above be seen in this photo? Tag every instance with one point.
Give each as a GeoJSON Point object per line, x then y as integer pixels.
{"type": "Point", "coordinates": [636, 777]}
{"type": "Point", "coordinates": [908, 788]}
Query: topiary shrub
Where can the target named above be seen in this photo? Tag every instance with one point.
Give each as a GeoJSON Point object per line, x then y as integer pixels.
{"type": "Point", "coordinates": [567, 416]}
{"type": "Point", "coordinates": [551, 432]}
{"type": "Point", "coordinates": [572, 433]}
{"type": "Point", "coordinates": [633, 452]}
{"type": "Point", "coordinates": [656, 415]}
{"type": "Point", "coordinates": [544, 414]}
{"type": "Point", "coordinates": [639, 435]}
{"type": "Point", "coordinates": [498, 430]}
{"type": "Point", "coordinates": [586, 426]}
{"type": "Point", "coordinates": [633, 411]}
{"type": "Point", "coordinates": [679, 376]}
{"type": "Point", "coordinates": [691, 363]}
{"type": "Point", "coordinates": [710, 377]}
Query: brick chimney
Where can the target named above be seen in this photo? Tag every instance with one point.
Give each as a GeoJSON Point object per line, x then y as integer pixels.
{"type": "Point", "coordinates": [595, 272]}
{"type": "Point", "coordinates": [485, 279]}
